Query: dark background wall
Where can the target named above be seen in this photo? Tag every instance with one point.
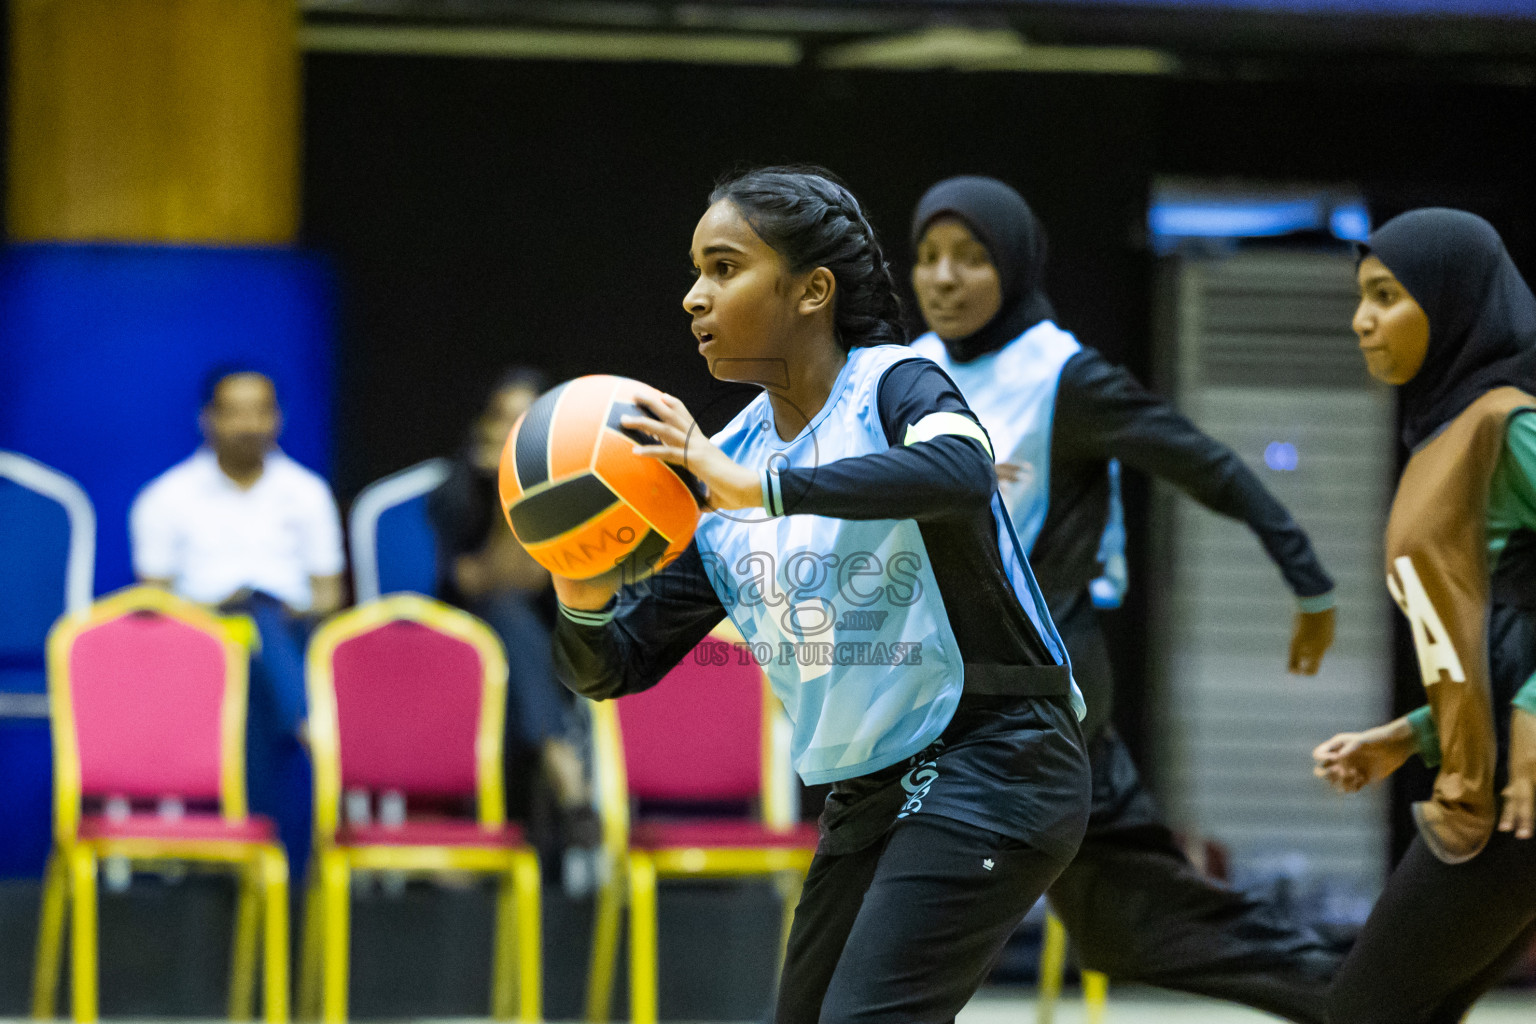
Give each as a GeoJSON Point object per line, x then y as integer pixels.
{"type": "Point", "coordinates": [484, 212]}
{"type": "Point", "coordinates": [487, 212]}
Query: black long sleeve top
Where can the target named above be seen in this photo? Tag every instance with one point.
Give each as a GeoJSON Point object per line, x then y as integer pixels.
{"type": "Point", "coordinates": [946, 484]}
{"type": "Point", "coordinates": [1102, 412]}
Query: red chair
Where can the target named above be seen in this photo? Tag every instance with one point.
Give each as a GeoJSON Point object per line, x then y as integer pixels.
{"type": "Point", "coordinates": [710, 733]}
{"type": "Point", "coordinates": [147, 695]}
{"type": "Point", "coordinates": [408, 695]}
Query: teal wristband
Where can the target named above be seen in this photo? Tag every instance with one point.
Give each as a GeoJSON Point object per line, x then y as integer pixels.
{"type": "Point", "coordinates": [597, 619]}
{"type": "Point", "coordinates": [1426, 735]}
{"type": "Point", "coordinates": [1525, 697]}
{"type": "Point", "coordinates": [1313, 605]}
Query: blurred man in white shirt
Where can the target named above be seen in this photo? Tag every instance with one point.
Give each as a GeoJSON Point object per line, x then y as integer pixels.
{"type": "Point", "coordinates": [241, 527]}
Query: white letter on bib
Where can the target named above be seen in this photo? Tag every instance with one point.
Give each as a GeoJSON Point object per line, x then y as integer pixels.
{"type": "Point", "coordinates": [1436, 653]}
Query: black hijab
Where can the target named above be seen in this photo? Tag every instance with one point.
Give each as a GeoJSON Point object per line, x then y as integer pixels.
{"type": "Point", "coordinates": [1482, 316]}
{"type": "Point", "coordinates": [1003, 222]}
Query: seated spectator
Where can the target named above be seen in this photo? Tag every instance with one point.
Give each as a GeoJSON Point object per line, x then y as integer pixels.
{"type": "Point", "coordinates": [485, 571]}
{"type": "Point", "coordinates": [242, 528]}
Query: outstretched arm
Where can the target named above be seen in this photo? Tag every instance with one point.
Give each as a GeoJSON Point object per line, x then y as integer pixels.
{"type": "Point", "coordinates": [1351, 761]}
{"type": "Point", "coordinates": [1103, 412]}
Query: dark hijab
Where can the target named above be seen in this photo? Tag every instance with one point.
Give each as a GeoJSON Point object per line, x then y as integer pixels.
{"type": "Point", "coordinates": [1003, 222]}
{"type": "Point", "coordinates": [1482, 316]}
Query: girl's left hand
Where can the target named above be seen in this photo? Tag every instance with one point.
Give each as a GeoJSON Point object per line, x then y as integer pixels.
{"type": "Point", "coordinates": [680, 442]}
{"type": "Point", "coordinates": [1519, 814]}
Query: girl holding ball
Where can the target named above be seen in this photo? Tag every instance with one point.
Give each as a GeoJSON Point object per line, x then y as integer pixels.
{"type": "Point", "coordinates": [960, 787]}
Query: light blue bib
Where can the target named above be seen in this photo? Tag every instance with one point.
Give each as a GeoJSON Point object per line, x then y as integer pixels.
{"type": "Point", "coordinates": [844, 616]}
{"type": "Point", "coordinates": [1013, 393]}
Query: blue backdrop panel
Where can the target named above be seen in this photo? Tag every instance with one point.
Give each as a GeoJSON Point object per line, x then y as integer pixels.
{"type": "Point", "coordinates": [104, 351]}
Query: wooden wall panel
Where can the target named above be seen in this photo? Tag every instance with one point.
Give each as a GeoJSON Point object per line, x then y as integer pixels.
{"type": "Point", "coordinates": [154, 121]}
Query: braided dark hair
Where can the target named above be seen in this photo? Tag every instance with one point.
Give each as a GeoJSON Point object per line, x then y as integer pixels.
{"type": "Point", "coordinates": [806, 215]}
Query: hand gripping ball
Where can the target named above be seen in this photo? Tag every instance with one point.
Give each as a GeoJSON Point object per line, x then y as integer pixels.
{"type": "Point", "coordinates": [578, 498]}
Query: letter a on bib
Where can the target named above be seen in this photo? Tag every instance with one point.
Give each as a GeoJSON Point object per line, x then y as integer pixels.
{"type": "Point", "coordinates": [1430, 639]}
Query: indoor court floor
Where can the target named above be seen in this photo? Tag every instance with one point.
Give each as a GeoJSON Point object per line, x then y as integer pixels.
{"type": "Point", "coordinates": [1137, 1005]}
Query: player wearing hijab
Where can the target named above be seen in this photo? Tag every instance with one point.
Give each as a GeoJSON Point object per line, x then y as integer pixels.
{"type": "Point", "coordinates": [1445, 317]}
{"type": "Point", "coordinates": [943, 713]}
{"type": "Point", "coordinates": [1061, 419]}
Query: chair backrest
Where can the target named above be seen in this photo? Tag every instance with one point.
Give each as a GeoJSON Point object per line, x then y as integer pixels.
{"type": "Point", "coordinates": [407, 694]}
{"type": "Point", "coordinates": [698, 735]}
{"type": "Point", "coordinates": [148, 699]}
{"type": "Point", "coordinates": [393, 545]}
{"type": "Point", "coordinates": [48, 554]}
{"type": "Point", "coordinates": [713, 712]}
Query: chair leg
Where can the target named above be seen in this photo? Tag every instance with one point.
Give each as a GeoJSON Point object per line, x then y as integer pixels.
{"type": "Point", "coordinates": [519, 946]}
{"type": "Point", "coordinates": [336, 883]}
{"type": "Point", "coordinates": [605, 948]}
{"type": "Point", "coordinates": [530, 938]}
{"type": "Point", "coordinates": [1095, 995]}
{"type": "Point", "coordinates": [1053, 958]}
{"type": "Point", "coordinates": [83, 968]}
{"type": "Point", "coordinates": [242, 966]}
{"type": "Point", "coordinates": [310, 946]}
{"type": "Point", "coordinates": [50, 938]}
{"type": "Point", "coordinates": [642, 939]}
{"type": "Point", "coordinates": [273, 864]}
{"type": "Point", "coordinates": [504, 950]}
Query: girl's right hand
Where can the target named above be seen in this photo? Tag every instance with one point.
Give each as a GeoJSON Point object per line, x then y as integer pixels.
{"type": "Point", "coordinates": [583, 595]}
{"type": "Point", "coordinates": [1351, 761]}
{"type": "Point", "coordinates": [1015, 473]}
{"type": "Point", "coordinates": [1311, 637]}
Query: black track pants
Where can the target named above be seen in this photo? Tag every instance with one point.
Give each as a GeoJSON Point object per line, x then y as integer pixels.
{"type": "Point", "coordinates": [1440, 936]}
{"type": "Point", "coordinates": [904, 930]}
{"type": "Point", "coordinates": [1137, 910]}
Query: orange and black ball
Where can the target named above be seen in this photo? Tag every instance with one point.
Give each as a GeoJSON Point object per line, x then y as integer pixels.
{"type": "Point", "coordinates": [578, 498]}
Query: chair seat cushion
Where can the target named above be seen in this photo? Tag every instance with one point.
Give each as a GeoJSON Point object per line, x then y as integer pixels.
{"type": "Point", "coordinates": [189, 827]}
{"type": "Point", "coordinates": [716, 834]}
{"type": "Point", "coordinates": [430, 832]}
